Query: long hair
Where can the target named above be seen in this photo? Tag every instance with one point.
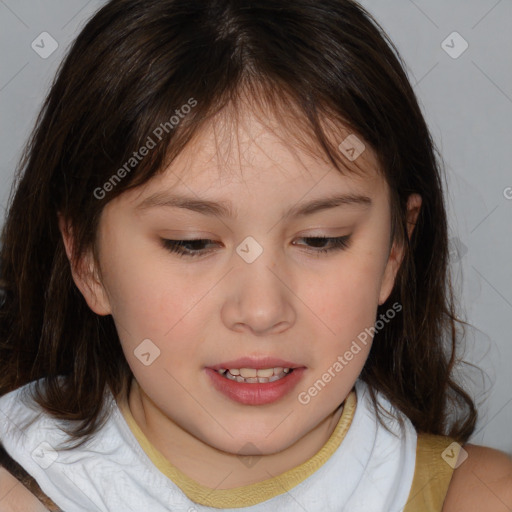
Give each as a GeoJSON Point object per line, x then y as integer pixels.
{"type": "Point", "coordinates": [131, 70]}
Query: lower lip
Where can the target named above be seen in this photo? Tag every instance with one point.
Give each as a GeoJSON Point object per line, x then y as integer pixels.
{"type": "Point", "coordinates": [257, 393]}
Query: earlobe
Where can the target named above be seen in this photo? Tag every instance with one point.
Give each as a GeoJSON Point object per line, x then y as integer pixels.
{"type": "Point", "coordinates": [392, 266]}
{"type": "Point", "coordinates": [397, 252]}
{"type": "Point", "coordinates": [84, 273]}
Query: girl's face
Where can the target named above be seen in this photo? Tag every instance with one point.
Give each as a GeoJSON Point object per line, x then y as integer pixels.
{"type": "Point", "coordinates": [259, 288]}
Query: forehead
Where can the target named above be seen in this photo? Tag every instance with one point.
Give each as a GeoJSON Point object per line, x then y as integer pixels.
{"type": "Point", "coordinates": [257, 151]}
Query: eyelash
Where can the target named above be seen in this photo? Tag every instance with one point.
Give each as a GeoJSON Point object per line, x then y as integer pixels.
{"type": "Point", "coordinates": [176, 246]}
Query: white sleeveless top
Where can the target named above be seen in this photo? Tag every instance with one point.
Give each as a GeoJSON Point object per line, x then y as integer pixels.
{"type": "Point", "coordinates": [370, 470]}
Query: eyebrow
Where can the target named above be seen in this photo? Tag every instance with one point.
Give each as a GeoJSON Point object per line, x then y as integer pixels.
{"type": "Point", "coordinates": [225, 208]}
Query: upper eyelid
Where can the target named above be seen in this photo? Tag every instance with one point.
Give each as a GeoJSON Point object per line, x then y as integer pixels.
{"type": "Point", "coordinates": [180, 241]}
{"type": "Point", "coordinates": [206, 239]}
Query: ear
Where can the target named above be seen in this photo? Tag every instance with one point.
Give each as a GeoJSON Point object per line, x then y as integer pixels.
{"type": "Point", "coordinates": [397, 252]}
{"type": "Point", "coordinates": [84, 273]}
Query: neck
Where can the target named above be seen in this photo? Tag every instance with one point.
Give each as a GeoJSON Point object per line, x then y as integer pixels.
{"type": "Point", "coordinates": [188, 453]}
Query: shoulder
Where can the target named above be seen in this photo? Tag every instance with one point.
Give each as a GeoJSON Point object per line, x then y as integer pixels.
{"type": "Point", "coordinates": [15, 497]}
{"type": "Point", "coordinates": [19, 491]}
{"type": "Point", "coordinates": [482, 482]}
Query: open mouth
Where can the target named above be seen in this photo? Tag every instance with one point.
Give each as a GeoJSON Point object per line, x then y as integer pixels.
{"type": "Point", "coordinates": [255, 376]}
{"type": "Point", "coordinates": [255, 386]}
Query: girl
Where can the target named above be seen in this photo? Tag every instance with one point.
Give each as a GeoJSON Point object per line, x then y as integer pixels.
{"type": "Point", "coordinates": [225, 275]}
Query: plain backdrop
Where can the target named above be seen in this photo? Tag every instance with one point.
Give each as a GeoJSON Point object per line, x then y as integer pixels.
{"type": "Point", "coordinates": [457, 54]}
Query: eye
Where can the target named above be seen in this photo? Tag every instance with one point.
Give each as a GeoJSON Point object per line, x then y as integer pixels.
{"type": "Point", "coordinates": [180, 246]}
{"type": "Point", "coordinates": [337, 243]}
{"type": "Point", "coordinates": [194, 245]}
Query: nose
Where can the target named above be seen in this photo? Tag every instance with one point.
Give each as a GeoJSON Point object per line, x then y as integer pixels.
{"type": "Point", "coordinates": [260, 298]}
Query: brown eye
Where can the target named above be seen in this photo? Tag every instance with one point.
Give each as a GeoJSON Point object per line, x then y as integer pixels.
{"type": "Point", "coordinates": [337, 243]}
{"type": "Point", "coordinates": [195, 247]}
{"type": "Point", "coordinates": [180, 246]}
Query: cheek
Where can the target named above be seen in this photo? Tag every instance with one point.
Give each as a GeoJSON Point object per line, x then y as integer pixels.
{"type": "Point", "coordinates": [156, 305]}
{"type": "Point", "coordinates": [153, 308]}
{"type": "Point", "coordinates": [347, 297]}
{"type": "Point", "coordinates": [149, 297]}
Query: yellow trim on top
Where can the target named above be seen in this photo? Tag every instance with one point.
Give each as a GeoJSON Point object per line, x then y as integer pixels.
{"type": "Point", "coordinates": [246, 495]}
{"type": "Point", "coordinates": [432, 473]}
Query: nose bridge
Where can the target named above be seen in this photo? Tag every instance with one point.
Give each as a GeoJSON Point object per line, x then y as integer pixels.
{"type": "Point", "coordinates": [260, 300]}
{"type": "Point", "coordinates": [257, 266]}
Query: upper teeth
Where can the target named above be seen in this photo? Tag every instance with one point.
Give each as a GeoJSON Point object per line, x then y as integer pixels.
{"type": "Point", "coordinates": [253, 375]}
{"type": "Point", "coordinates": [253, 372]}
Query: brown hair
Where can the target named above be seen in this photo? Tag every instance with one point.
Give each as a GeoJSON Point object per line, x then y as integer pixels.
{"type": "Point", "coordinates": [133, 65]}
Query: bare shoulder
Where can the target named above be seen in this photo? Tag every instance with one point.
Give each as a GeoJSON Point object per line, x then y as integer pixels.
{"type": "Point", "coordinates": [15, 497]}
{"type": "Point", "coordinates": [482, 482]}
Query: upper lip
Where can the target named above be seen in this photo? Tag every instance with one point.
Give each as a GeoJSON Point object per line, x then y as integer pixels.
{"type": "Point", "coordinates": [257, 363]}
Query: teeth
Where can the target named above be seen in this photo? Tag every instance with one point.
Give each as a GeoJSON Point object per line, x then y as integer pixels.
{"type": "Point", "coordinates": [253, 375]}
{"type": "Point", "coordinates": [267, 372]}
{"type": "Point", "coordinates": [248, 372]}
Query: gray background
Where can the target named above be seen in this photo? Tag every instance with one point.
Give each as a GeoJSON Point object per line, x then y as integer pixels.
{"type": "Point", "coordinates": [467, 102]}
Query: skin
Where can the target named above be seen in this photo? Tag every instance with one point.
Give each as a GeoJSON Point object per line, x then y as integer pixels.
{"type": "Point", "coordinates": [291, 302]}
{"type": "Point", "coordinates": [483, 482]}
{"type": "Point", "coordinates": [15, 497]}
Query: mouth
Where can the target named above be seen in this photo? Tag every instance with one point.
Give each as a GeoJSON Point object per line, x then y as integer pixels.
{"type": "Point", "coordinates": [255, 381]}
